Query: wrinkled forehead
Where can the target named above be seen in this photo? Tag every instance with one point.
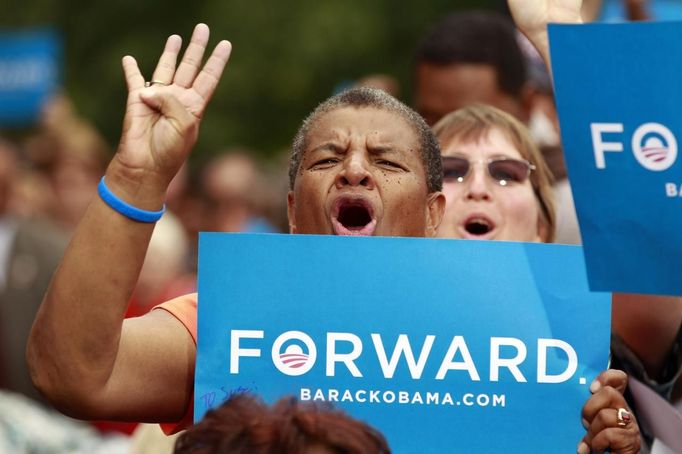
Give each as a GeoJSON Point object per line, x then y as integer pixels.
{"type": "Point", "coordinates": [378, 126]}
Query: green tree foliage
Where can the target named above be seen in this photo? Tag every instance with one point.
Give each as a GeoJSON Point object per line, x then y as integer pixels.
{"type": "Point", "coordinates": [287, 57]}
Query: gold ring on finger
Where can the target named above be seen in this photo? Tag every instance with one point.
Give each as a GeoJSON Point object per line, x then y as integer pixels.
{"type": "Point", "coordinates": [155, 82]}
{"type": "Point", "coordinates": [624, 417]}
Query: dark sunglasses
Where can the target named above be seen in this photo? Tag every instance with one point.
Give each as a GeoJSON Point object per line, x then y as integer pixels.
{"type": "Point", "coordinates": [503, 170]}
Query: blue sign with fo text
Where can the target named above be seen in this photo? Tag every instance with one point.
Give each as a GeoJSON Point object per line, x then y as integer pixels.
{"type": "Point", "coordinates": [619, 100]}
{"type": "Point", "coordinates": [29, 74]}
{"type": "Point", "coordinates": [442, 345]}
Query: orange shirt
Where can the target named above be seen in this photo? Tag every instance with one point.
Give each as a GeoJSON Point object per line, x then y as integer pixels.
{"type": "Point", "coordinates": [183, 308]}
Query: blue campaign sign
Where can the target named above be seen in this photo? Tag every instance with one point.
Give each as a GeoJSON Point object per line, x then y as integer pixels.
{"type": "Point", "coordinates": [442, 345]}
{"type": "Point", "coordinates": [619, 98]}
{"type": "Point", "coordinates": [29, 74]}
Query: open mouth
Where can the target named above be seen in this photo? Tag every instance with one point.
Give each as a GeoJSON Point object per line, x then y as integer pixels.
{"type": "Point", "coordinates": [353, 217]}
{"type": "Point", "coordinates": [478, 226]}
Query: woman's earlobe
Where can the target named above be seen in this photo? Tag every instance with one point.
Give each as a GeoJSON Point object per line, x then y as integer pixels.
{"type": "Point", "coordinates": [543, 234]}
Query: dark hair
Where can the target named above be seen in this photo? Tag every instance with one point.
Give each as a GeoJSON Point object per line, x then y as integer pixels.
{"type": "Point", "coordinates": [378, 99]}
{"type": "Point", "coordinates": [245, 425]}
{"type": "Point", "coordinates": [477, 37]}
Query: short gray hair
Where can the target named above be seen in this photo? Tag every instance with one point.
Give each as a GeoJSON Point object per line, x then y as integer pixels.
{"type": "Point", "coordinates": [378, 99]}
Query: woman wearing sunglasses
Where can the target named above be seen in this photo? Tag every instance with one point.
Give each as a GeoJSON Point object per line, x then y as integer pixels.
{"type": "Point", "coordinates": [497, 186]}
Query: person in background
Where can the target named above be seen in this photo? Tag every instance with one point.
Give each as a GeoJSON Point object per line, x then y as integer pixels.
{"type": "Point", "coordinates": [27, 427]}
{"type": "Point", "coordinates": [467, 58]}
{"type": "Point", "coordinates": [234, 194]}
{"type": "Point", "coordinates": [544, 129]}
{"type": "Point", "coordinates": [71, 154]}
{"type": "Point", "coordinates": [245, 425]}
{"type": "Point", "coordinates": [30, 250]}
{"type": "Point", "coordinates": [381, 81]}
{"type": "Point", "coordinates": [362, 164]}
{"type": "Point", "coordinates": [498, 187]}
{"type": "Point", "coordinates": [479, 57]}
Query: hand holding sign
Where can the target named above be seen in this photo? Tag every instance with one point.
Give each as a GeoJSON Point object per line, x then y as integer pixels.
{"type": "Point", "coordinates": [412, 354]}
{"type": "Point", "coordinates": [609, 422]}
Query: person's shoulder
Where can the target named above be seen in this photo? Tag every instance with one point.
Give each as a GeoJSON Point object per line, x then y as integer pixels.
{"type": "Point", "coordinates": [184, 309]}
{"type": "Point", "coordinates": [182, 302]}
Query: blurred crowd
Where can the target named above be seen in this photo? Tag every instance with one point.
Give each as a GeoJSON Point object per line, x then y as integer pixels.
{"type": "Point", "coordinates": [48, 178]}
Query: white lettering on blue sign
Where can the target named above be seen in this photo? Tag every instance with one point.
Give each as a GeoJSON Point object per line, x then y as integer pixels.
{"type": "Point", "coordinates": [376, 396]}
{"type": "Point", "coordinates": [236, 352]}
{"type": "Point", "coordinates": [458, 345]}
{"type": "Point", "coordinates": [25, 74]}
{"type": "Point", "coordinates": [294, 353]}
{"type": "Point", "coordinates": [348, 359]}
{"type": "Point", "coordinates": [600, 146]}
{"type": "Point", "coordinates": [571, 364]}
{"type": "Point", "coordinates": [653, 145]}
{"type": "Point", "coordinates": [672, 190]}
{"type": "Point", "coordinates": [510, 363]}
{"type": "Point", "coordinates": [402, 347]}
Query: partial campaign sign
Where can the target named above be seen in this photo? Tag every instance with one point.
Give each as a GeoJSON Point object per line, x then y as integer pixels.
{"type": "Point", "coordinates": [442, 345]}
{"type": "Point", "coordinates": [29, 74]}
{"type": "Point", "coordinates": [619, 97]}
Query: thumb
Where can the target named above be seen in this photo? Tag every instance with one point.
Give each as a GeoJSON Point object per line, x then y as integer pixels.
{"type": "Point", "coordinates": [169, 106]}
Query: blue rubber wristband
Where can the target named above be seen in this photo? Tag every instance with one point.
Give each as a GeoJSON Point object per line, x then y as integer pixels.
{"type": "Point", "coordinates": [126, 209]}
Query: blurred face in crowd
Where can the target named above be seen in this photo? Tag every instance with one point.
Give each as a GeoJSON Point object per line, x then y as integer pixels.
{"type": "Point", "coordinates": [7, 171]}
{"type": "Point", "coordinates": [228, 187]}
{"type": "Point", "coordinates": [478, 205]}
{"type": "Point", "coordinates": [362, 174]}
{"type": "Point", "coordinates": [441, 89]}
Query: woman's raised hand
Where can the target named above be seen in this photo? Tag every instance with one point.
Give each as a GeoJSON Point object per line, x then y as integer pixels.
{"type": "Point", "coordinates": [162, 115]}
{"type": "Point", "coordinates": [532, 17]}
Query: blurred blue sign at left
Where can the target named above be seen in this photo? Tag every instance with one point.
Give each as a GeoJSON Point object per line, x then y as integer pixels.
{"type": "Point", "coordinates": [29, 73]}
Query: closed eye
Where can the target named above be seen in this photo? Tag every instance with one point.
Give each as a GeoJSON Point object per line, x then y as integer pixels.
{"type": "Point", "coordinates": [324, 163]}
{"type": "Point", "coordinates": [389, 164]}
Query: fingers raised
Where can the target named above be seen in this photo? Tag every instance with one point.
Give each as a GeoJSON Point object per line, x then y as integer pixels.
{"type": "Point", "coordinates": [207, 80]}
{"type": "Point", "coordinates": [134, 79]}
{"type": "Point", "coordinates": [191, 61]}
{"type": "Point", "coordinates": [166, 67]}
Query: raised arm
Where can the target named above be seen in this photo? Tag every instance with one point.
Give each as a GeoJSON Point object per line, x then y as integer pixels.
{"type": "Point", "coordinates": [532, 17]}
{"type": "Point", "coordinates": [82, 354]}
